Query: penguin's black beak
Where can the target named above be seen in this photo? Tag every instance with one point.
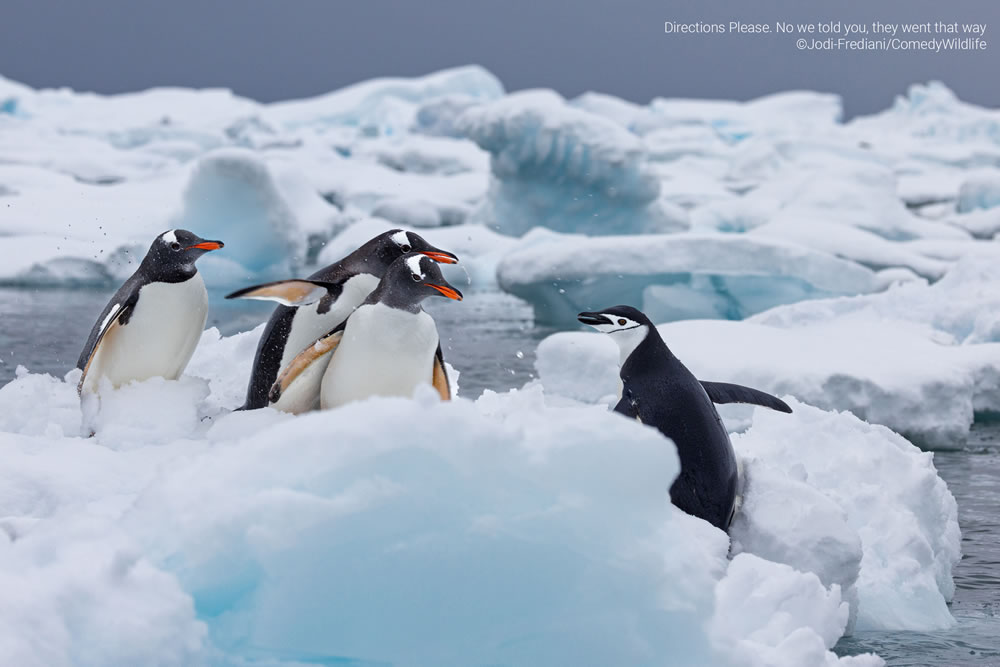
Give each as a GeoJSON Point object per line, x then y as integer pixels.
{"type": "Point", "coordinates": [441, 256]}
{"type": "Point", "coordinates": [446, 290]}
{"type": "Point", "coordinates": [593, 319]}
{"type": "Point", "coordinates": [207, 245]}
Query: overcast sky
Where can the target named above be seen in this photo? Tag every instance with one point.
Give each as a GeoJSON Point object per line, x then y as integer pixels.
{"type": "Point", "coordinates": [278, 49]}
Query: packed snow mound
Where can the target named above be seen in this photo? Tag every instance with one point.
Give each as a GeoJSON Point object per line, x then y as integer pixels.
{"type": "Point", "coordinates": [897, 373]}
{"type": "Point", "coordinates": [908, 547]}
{"type": "Point", "coordinates": [206, 540]}
{"type": "Point", "coordinates": [561, 167]}
{"type": "Point", "coordinates": [388, 105]}
{"type": "Point", "coordinates": [776, 608]}
{"type": "Point", "coordinates": [671, 276]}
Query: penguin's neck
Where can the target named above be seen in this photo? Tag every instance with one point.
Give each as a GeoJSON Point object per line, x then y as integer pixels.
{"type": "Point", "coordinates": [644, 342]}
{"type": "Point", "coordinates": [394, 297]}
{"type": "Point", "coordinates": [156, 270]}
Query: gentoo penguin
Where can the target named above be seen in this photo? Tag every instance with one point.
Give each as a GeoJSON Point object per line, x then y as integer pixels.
{"type": "Point", "coordinates": [387, 347]}
{"type": "Point", "coordinates": [153, 323]}
{"type": "Point", "coordinates": [316, 305]}
{"type": "Point", "coordinates": [659, 391]}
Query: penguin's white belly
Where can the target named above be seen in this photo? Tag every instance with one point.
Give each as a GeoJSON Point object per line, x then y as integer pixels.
{"type": "Point", "coordinates": [308, 323]}
{"type": "Point", "coordinates": [160, 337]}
{"type": "Point", "coordinates": [384, 352]}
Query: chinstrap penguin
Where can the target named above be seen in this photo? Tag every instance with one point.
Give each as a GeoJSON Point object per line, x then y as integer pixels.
{"type": "Point", "coordinates": [387, 347]}
{"type": "Point", "coordinates": [314, 306]}
{"type": "Point", "coordinates": [659, 391]}
{"type": "Point", "coordinates": [153, 323]}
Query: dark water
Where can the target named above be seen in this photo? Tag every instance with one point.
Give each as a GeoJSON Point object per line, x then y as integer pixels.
{"type": "Point", "coordinates": [491, 339]}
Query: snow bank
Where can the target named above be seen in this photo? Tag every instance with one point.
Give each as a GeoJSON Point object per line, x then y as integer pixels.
{"type": "Point", "coordinates": [562, 167]}
{"type": "Point", "coordinates": [812, 479]}
{"type": "Point", "coordinates": [544, 541]}
{"type": "Point", "coordinates": [851, 483]}
{"type": "Point", "coordinates": [671, 276]}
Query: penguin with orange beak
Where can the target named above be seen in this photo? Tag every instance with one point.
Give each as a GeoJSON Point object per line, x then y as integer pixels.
{"type": "Point", "coordinates": [313, 306]}
{"type": "Point", "coordinates": [154, 321]}
{"type": "Point", "coordinates": [387, 347]}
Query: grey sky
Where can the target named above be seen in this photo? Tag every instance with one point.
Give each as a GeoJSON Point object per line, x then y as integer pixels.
{"type": "Point", "coordinates": [277, 49]}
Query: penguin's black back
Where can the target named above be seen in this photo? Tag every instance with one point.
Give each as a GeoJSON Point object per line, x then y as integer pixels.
{"type": "Point", "coordinates": [664, 394]}
{"type": "Point", "coordinates": [267, 360]}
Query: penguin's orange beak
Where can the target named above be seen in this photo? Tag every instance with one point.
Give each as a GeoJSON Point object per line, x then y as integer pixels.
{"type": "Point", "coordinates": [207, 245]}
{"type": "Point", "coordinates": [440, 256]}
{"type": "Point", "coordinates": [449, 292]}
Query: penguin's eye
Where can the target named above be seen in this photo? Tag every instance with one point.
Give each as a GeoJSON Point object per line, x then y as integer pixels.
{"type": "Point", "coordinates": [415, 277]}
{"type": "Point", "coordinates": [405, 247]}
{"type": "Point", "coordinates": [175, 246]}
{"type": "Point", "coordinates": [621, 322]}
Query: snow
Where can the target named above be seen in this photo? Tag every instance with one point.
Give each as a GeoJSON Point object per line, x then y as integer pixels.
{"type": "Point", "coordinates": [549, 542]}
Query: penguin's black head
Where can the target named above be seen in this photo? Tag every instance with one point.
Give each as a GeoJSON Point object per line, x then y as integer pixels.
{"type": "Point", "coordinates": [411, 279]}
{"type": "Point", "coordinates": [174, 253]}
{"type": "Point", "coordinates": [627, 326]}
{"type": "Point", "coordinates": [393, 244]}
{"type": "Point", "coordinates": [616, 318]}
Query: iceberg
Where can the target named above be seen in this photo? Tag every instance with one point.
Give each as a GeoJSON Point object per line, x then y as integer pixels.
{"type": "Point", "coordinates": [561, 167]}
{"type": "Point", "coordinates": [671, 276]}
{"type": "Point", "coordinates": [235, 196]}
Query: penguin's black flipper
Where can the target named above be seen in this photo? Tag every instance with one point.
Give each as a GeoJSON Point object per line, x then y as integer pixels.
{"type": "Point", "coordinates": [296, 292]}
{"type": "Point", "coordinates": [114, 315]}
{"type": "Point", "coordinates": [723, 392]}
{"type": "Point", "coordinates": [439, 378]}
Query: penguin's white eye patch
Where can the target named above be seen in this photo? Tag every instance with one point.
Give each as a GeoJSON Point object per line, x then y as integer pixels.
{"type": "Point", "coordinates": [622, 321]}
